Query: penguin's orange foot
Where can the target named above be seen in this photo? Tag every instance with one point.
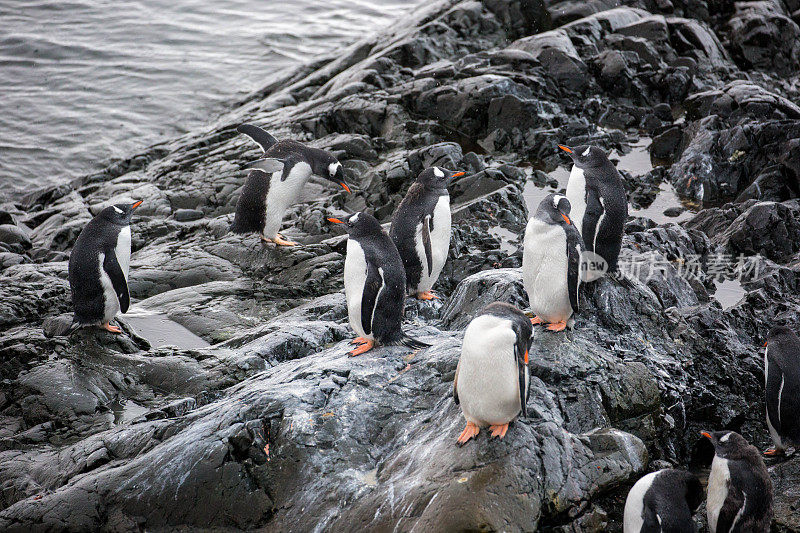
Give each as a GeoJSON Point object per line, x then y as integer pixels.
{"type": "Point", "coordinates": [470, 431]}
{"type": "Point", "coordinates": [113, 329]}
{"type": "Point", "coordinates": [280, 241]}
{"type": "Point", "coordinates": [536, 320]}
{"type": "Point", "coordinates": [359, 340]}
{"type": "Point", "coordinates": [499, 431]}
{"type": "Point", "coordinates": [557, 326]}
{"type": "Point", "coordinates": [773, 452]}
{"type": "Point", "coordinates": [427, 295]}
{"type": "Point", "coordinates": [367, 346]}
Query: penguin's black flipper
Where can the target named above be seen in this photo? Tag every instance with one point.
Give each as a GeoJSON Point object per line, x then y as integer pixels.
{"type": "Point", "coordinates": [372, 286]}
{"type": "Point", "coordinates": [114, 271]}
{"type": "Point", "coordinates": [732, 506]}
{"type": "Point", "coordinates": [591, 217]}
{"type": "Point", "coordinates": [574, 249]}
{"type": "Point", "coordinates": [426, 242]}
{"type": "Point", "coordinates": [783, 401]}
{"type": "Point", "coordinates": [524, 378]}
{"type": "Point", "coordinates": [455, 383]}
{"type": "Point", "coordinates": [264, 139]}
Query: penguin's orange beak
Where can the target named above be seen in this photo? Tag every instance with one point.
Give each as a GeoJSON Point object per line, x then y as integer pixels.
{"type": "Point", "coordinates": [566, 218]}
{"type": "Point", "coordinates": [457, 174]}
{"type": "Point", "coordinates": [765, 344]}
{"type": "Point", "coordinates": [568, 150]}
{"type": "Point", "coordinates": [137, 204]}
{"type": "Point", "coordinates": [526, 357]}
{"type": "Point", "coordinates": [344, 186]}
{"type": "Point", "coordinates": [335, 221]}
{"type": "Point", "coordinates": [706, 434]}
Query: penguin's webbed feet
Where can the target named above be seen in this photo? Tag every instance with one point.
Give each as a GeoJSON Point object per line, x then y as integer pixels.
{"type": "Point", "coordinates": [470, 431]}
{"type": "Point", "coordinates": [359, 340]}
{"type": "Point", "coordinates": [367, 346]}
{"type": "Point", "coordinates": [427, 295]}
{"type": "Point", "coordinates": [774, 452]}
{"type": "Point", "coordinates": [561, 325]}
{"type": "Point", "coordinates": [278, 240]}
{"type": "Point", "coordinates": [113, 329]}
{"type": "Point", "coordinates": [499, 431]}
{"type": "Point", "coordinates": [536, 321]}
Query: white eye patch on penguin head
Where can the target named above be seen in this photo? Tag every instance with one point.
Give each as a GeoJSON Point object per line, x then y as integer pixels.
{"type": "Point", "coordinates": [437, 177]}
{"type": "Point", "coordinates": [120, 213]}
{"type": "Point", "coordinates": [335, 172]}
{"type": "Point", "coordinates": [554, 209]}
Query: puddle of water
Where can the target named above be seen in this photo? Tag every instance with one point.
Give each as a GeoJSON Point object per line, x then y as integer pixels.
{"type": "Point", "coordinates": [728, 293]}
{"type": "Point", "coordinates": [160, 331]}
{"type": "Point", "coordinates": [508, 239]}
{"type": "Point", "coordinates": [126, 410]}
{"type": "Point", "coordinates": [637, 161]}
{"type": "Point", "coordinates": [665, 199]}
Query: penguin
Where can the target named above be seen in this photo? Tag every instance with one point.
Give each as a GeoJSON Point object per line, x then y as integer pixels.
{"type": "Point", "coordinates": [739, 487]}
{"type": "Point", "coordinates": [599, 205]}
{"type": "Point", "coordinates": [275, 183]}
{"type": "Point", "coordinates": [421, 230]}
{"type": "Point", "coordinates": [782, 388]}
{"type": "Point", "coordinates": [98, 268]}
{"type": "Point", "coordinates": [374, 285]}
{"type": "Point", "coordinates": [551, 261]}
{"type": "Point", "coordinates": [492, 381]}
{"type": "Point", "coordinates": [663, 501]}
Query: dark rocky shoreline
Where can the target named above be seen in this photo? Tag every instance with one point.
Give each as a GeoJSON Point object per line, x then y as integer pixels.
{"type": "Point", "coordinates": [104, 432]}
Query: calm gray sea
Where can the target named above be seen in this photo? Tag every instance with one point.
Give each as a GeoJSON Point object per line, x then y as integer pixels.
{"type": "Point", "coordinates": [83, 82]}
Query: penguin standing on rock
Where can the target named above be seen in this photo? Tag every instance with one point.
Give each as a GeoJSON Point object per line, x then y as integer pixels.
{"type": "Point", "coordinates": [421, 230]}
{"type": "Point", "coordinates": [663, 501]}
{"type": "Point", "coordinates": [275, 183]}
{"type": "Point", "coordinates": [374, 285]}
{"type": "Point", "coordinates": [551, 263]}
{"type": "Point", "coordinates": [98, 268]}
{"type": "Point", "coordinates": [782, 388]}
{"type": "Point", "coordinates": [596, 193]}
{"type": "Point", "coordinates": [739, 487]}
{"type": "Point", "coordinates": [492, 379]}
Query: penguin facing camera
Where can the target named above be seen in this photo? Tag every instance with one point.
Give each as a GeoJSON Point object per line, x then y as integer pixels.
{"type": "Point", "coordinates": [276, 181]}
{"type": "Point", "coordinates": [739, 487]}
{"type": "Point", "coordinates": [421, 230]}
{"type": "Point", "coordinates": [374, 285]}
{"type": "Point", "coordinates": [596, 193]}
{"type": "Point", "coordinates": [551, 260]}
{"type": "Point", "coordinates": [782, 388]}
{"type": "Point", "coordinates": [492, 381]}
{"type": "Point", "coordinates": [98, 268]}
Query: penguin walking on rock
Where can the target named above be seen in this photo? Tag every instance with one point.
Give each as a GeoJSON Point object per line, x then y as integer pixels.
{"type": "Point", "coordinates": [374, 285]}
{"type": "Point", "coordinates": [98, 268]}
{"type": "Point", "coordinates": [492, 381]}
{"type": "Point", "coordinates": [596, 192]}
{"type": "Point", "coordinates": [782, 388]}
{"type": "Point", "coordinates": [275, 183]}
{"type": "Point", "coordinates": [739, 487]}
{"type": "Point", "coordinates": [421, 230]}
{"type": "Point", "coordinates": [551, 260]}
{"type": "Point", "coordinates": [663, 501]}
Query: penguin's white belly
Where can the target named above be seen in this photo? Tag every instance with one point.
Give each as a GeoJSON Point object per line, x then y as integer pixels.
{"type": "Point", "coordinates": [123, 250]}
{"type": "Point", "coordinates": [488, 378]}
{"type": "Point", "coordinates": [440, 244]}
{"type": "Point", "coordinates": [544, 271]}
{"type": "Point", "coordinates": [718, 482]}
{"type": "Point", "coordinates": [776, 438]}
{"type": "Point", "coordinates": [282, 195]}
{"type": "Point", "coordinates": [633, 521]}
{"type": "Point", "coordinates": [111, 301]}
{"type": "Point", "coordinates": [355, 276]}
{"type": "Point", "coordinates": [576, 194]}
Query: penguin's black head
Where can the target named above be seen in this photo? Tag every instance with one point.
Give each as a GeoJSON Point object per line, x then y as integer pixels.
{"type": "Point", "coordinates": [324, 164]}
{"type": "Point", "coordinates": [359, 224]}
{"type": "Point", "coordinates": [119, 214]}
{"type": "Point", "coordinates": [727, 444]}
{"type": "Point", "coordinates": [585, 156]}
{"type": "Point", "coordinates": [554, 209]}
{"type": "Point", "coordinates": [436, 177]}
{"type": "Point", "coordinates": [779, 331]}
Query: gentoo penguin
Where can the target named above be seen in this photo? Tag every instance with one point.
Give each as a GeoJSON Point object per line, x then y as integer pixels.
{"type": "Point", "coordinates": [374, 285]}
{"type": "Point", "coordinates": [421, 230]}
{"type": "Point", "coordinates": [663, 501]}
{"type": "Point", "coordinates": [599, 205]}
{"type": "Point", "coordinates": [551, 263]}
{"type": "Point", "coordinates": [492, 380]}
{"type": "Point", "coordinates": [739, 487]}
{"type": "Point", "coordinates": [276, 182]}
{"type": "Point", "coordinates": [98, 268]}
{"type": "Point", "coordinates": [782, 388]}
